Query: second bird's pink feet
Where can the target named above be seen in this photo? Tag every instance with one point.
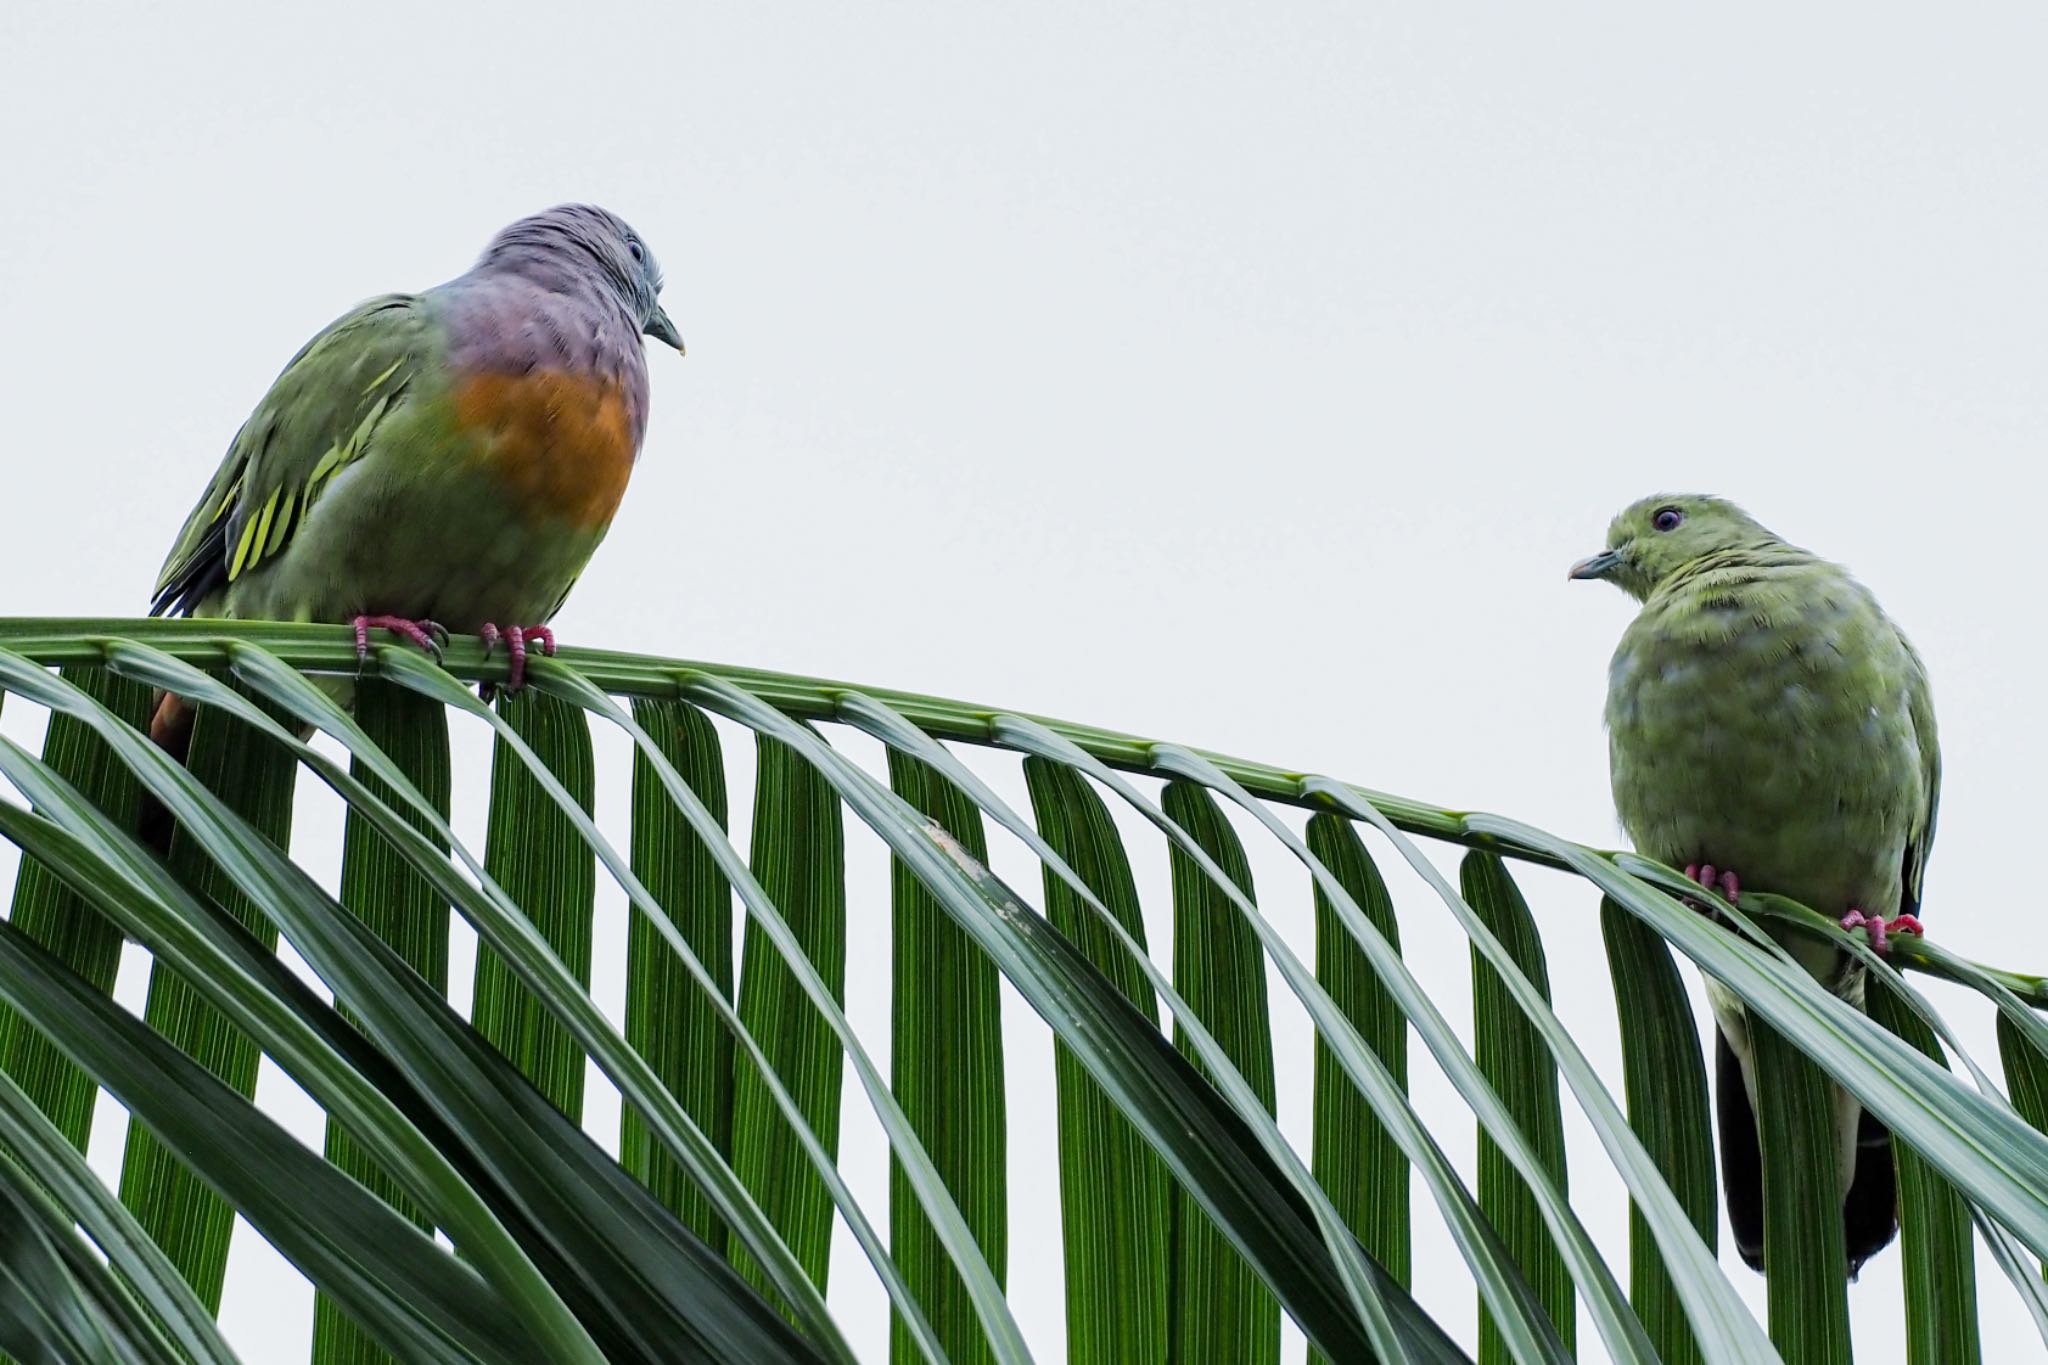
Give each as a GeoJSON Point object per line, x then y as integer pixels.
{"type": "Point", "coordinates": [1716, 879]}
{"type": "Point", "coordinates": [1881, 929]}
{"type": "Point", "coordinates": [518, 641]}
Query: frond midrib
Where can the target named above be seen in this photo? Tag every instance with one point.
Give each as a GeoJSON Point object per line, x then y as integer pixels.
{"type": "Point", "coordinates": [59, 641]}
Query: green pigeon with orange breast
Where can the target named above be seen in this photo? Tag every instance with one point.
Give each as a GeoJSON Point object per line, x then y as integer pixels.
{"type": "Point", "coordinates": [441, 461]}
{"type": "Point", "coordinates": [1770, 727]}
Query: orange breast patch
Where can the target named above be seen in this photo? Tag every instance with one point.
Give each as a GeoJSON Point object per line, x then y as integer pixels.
{"type": "Point", "coordinates": [562, 443]}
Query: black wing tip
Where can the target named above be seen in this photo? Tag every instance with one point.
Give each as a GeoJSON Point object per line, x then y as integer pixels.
{"type": "Point", "coordinates": [199, 577]}
{"type": "Point", "coordinates": [182, 595]}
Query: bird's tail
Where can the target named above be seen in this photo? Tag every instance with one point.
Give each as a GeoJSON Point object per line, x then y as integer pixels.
{"type": "Point", "coordinates": [171, 723]}
{"type": "Point", "coordinates": [170, 726]}
{"type": "Point", "coordinates": [1870, 1210]}
{"type": "Point", "coordinates": [1742, 1166]}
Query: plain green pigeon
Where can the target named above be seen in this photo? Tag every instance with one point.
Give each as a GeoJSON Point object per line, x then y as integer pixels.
{"type": "Point", "coordinates": [442, 461]}
{"type": "Point", "coordinates": [1769, 727]}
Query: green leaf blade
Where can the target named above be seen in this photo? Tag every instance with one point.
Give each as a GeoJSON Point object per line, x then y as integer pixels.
{"type": "Point", "coordinates": [537, 856]}
{"type": "Point", "coordinates": [1225, 1312]}
{"type": "Point", "coordinates": [51, 914]}
{"type": "Point", "coordinates": [799, 855]}
{"type": "Point", "coordinates": [667, 1017]}
{"type": "Point", "coordinates": [1805, 1264]}
{"type": "Point", "coordinates": [1511, 1055]}
{"type": "Point", "coordinates": [1934, 1227]}
{"type": "Point", "coordinates": [395, 902]}
{"type": "Point", "coordinates": [1354, 1157]}
{"type": "Point", "coordinates": [946, 1068]}
{"type": "Point", "coordinates": [2026, 1078]}
{"type": "Point", "coordinates": [420, 1301]}
{"type": "Point", "coordinates": [255, 779]}
{"type": "Point", "coordinates": [1116, 1199]}
{"type": "Point", "coordinates": [1665, 1081]}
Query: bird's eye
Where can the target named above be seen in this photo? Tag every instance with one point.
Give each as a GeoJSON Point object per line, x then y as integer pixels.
{"type": "Point", "coordinates": [639, 252]}
{"type": "Point", "coordinates": [1667, 519]}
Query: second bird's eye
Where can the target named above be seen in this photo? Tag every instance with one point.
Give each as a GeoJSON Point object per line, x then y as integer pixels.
{"type": "Point", "coordinates": [639, 254]}
{"type": "Point", "coordinates": [1667, 519]}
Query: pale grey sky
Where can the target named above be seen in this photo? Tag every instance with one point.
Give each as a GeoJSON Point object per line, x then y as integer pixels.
{"type": "Point", "coordinates": [1242, 374]}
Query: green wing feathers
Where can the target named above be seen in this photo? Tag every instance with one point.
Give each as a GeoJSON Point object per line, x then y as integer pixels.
{"type": "Point", "coordinates": [1920, 703]}
{"type": "Point", "coordinates": [319, 416]}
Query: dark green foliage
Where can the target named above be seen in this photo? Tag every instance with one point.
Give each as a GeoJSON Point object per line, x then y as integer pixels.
{"type": "Point", "coordinates": [1115, 1195]}
{"type": "Point", "coordinates": [49, 913]}
{"type": "Point", "coordinates": [799, 858]}
{"type": "Point", "coordinates": [1665, 1080]}
{"type": "Point", "coordinates": [946, 1069]}
{"type": "Point", "coordinates": [383, 889]}
{"type": "Point", "coordinates": [1512, 1056]}
{"type": "Point", "coordinates": [1804, 1257]}
{"type": "Point", "coordinates": [1355, 1159]}
{"type": "Point", "coordinates": [1222, 1311]}
{"type": "Point", "coordinates": [254, 778]}
{"type": "Point", "coordinates": [1935, 1238]}
{"type": "Point", "coordinates": [534, 852]}
{"type": "Point", "coordinates": [668, 1017]}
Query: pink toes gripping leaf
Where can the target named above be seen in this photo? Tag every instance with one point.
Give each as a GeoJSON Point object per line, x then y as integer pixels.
{"type": "Point", "coordinates": [428, 635]}
{"type": "Point", "coordinates": [1719, 879]}
{"type": "Point", "coordinates": [1880, 929]}
{"type": "Point", "coordinates": [518, 640]}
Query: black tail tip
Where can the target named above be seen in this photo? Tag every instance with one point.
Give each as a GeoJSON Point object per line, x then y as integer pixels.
{"type": "Point", "coordinates": [1870, 1212]}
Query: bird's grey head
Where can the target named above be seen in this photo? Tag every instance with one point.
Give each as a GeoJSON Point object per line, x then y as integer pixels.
{"type": "Point", "coordinates": [585, 240]}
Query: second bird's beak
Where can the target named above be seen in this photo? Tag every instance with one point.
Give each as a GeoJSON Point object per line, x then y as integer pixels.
{"type": "Point", "coordinates": [661, 329]}
{"type": "Point", "coordinates": [1599, 566]}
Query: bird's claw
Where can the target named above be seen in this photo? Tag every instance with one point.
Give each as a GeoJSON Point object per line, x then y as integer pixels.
{"type": "Point", "coordinates": [1880, 929]}
{"type": "Point", "coordinates": [430, 636]}
{"type": "Point", "coordinates": [1719, 879]}
{"type": "Point", "coordinates": [518, 640]}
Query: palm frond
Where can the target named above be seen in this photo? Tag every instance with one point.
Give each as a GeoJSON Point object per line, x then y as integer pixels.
{"type": "Point", "coordinates": [1192, 1221]}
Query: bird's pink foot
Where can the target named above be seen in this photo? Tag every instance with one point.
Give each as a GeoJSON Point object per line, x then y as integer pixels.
{"type": "Point", "coordinates": [519, 640]}
{"type": "Point", "coordinates": [1718, 879]}
{"type": "Point", "coordinates": [1880, 929]}
{"type": "Point", "coordinates": [428, 635]}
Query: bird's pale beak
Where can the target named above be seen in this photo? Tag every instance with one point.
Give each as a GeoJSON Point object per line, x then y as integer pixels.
{"type": "Point", "coordinates": [1598, 566]}
{"type": "Point", "coordinates": [661, 329]}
